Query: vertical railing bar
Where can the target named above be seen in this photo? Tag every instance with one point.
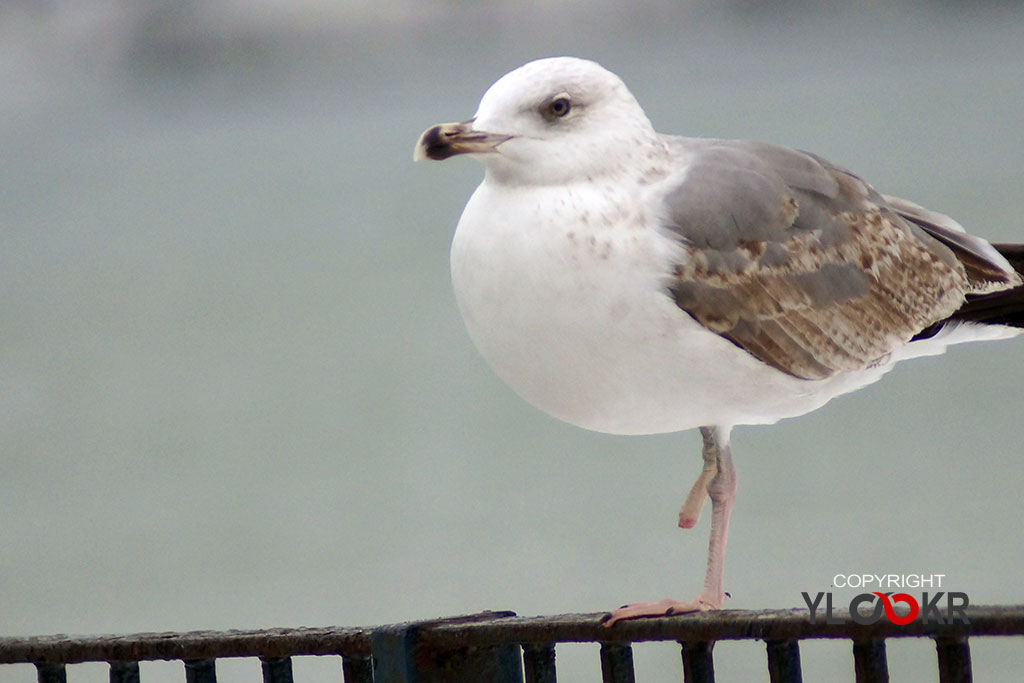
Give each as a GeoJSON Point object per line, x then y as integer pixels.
{"type": "Point", "coordinates": [954, 660]}
{"type": "Point", "coordinates": [357, 669]}
{"type": "Point", "coordinates": [784, 661]}
{"type": "Point", "coordinates": [276, 669]}
{"type": "Point", "coordinates": [698, 662]}
{"type": "Point", "coordinates": [617, 663]}
{"type": "Point", "coordinates": [539, 662]}
{"type": "Point", "coordinates": [869, 661]}
{"type": "Point", "coordinates": [51, 672]}
{"type": "Point", "coordinates": [200, 670]}
{"type": "Point", "coordinates": [124, 672]}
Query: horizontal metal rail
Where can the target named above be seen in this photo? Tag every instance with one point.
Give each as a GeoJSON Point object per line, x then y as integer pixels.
{"type": "Point", "coordinates": [276, 642]}
{"type": "Point", "coordinates": [500, 647]}
{"type": "Point", "coordinates": [792, 624]}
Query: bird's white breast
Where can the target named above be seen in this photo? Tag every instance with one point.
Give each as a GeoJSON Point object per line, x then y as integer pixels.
{"type": "Point", "coordinates": [565, 293]}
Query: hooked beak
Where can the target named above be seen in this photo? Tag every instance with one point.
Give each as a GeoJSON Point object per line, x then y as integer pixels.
{"type": "Point", "coordinates": [448, 139]}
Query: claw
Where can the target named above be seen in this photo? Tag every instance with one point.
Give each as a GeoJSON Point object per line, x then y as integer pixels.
{"type": "Point", "coordinates": [664, 608]}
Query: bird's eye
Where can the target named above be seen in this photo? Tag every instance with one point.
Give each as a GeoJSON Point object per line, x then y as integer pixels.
{"type": "Point", "coordinates": [557, 107]}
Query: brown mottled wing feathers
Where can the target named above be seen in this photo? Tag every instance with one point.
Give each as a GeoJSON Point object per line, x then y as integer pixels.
{"type": "Point", "coordinates": [986, 267]}
{"type": "Point", "coordinates": [801, 263]}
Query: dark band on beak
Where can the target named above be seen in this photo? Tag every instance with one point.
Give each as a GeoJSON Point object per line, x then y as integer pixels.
{"type": "Point", "coordinates": [436, 142]}
{"type": "Point", "coordinates": [449, 139]}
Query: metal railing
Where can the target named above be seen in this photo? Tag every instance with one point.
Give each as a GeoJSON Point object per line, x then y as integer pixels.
{"type": "Point", "coordinates": [499, 647]}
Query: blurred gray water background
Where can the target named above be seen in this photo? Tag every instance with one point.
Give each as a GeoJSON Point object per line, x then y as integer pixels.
{"type": "Point", "coordinates": [235, 391]}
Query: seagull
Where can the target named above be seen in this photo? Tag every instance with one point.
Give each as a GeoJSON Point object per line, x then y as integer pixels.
{"type": "Point", "coordinates": [631, 282]}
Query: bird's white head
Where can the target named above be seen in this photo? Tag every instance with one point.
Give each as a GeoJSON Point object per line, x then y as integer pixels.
{"type": "Point", "coordinates": [550, 121]}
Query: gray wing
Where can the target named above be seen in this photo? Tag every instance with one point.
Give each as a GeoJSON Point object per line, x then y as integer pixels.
{"type": "Point", "coordinates": [808, 268]}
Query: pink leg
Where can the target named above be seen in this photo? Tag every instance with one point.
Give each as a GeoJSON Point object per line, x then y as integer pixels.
{"type": "Point", "coordinates": [722, 490]}
{"type": "Point", "coordinates": [689, 514]}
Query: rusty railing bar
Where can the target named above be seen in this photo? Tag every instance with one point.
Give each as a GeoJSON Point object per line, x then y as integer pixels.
{"type": "Point", "coordinates": [276, 669]}
{"type": "Point", "coordinates": [784, 661]}
{"type": "Point", "coordinates": [201, 670]}
{"type": "Point", "coordinates": [954, 660]}
{"type": "Point", "coordinates": [539, 662]}
{"type": "Point", "coordinates": [617, 663]}
{"type": "Point", "coordinates": [51, 672]}
{"type": "Point", "coordinates": [124, 672]}
{"type": "Point", "coordinates": [357, 669]}
{"type": "Point", "coordinates": [869, 661]}
{"type": "Point", "coordinates": [698, 662]}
